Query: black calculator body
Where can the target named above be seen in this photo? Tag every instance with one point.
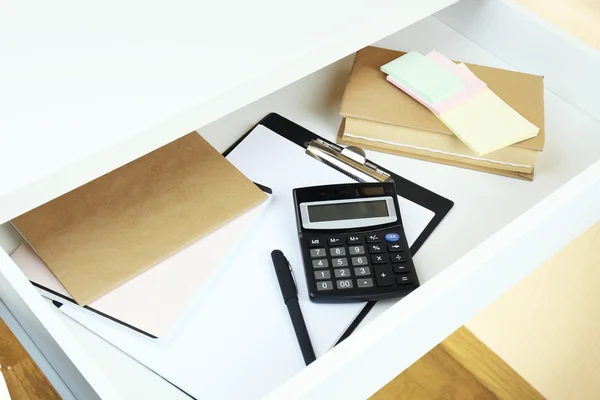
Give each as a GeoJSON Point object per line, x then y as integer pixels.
{"type": "Point", "coordinates": [352, 242]}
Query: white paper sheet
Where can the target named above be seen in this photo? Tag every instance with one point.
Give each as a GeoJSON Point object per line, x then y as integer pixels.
{"type": "Point", "coordinates": [239, 341]}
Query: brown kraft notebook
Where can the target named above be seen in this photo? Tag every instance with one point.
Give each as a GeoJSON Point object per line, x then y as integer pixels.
{"type": "Point", "coordinates": [370, 145]}
{"type": "Point", "coordinates": [370, 97]}
{"type": "Point", "coordinates": [102, 234]}
{"type": "Point", "coordinates": [437, 145]}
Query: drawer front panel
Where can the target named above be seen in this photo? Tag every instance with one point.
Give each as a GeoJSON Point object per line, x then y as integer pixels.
{"type": "Point", "coordinates": [59, 347]}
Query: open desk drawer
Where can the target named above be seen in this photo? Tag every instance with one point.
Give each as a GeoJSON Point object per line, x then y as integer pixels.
{"type": "Point", "coordinates": [499, 230]}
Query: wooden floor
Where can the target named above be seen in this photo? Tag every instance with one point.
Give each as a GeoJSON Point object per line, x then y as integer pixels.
{"type": "Point", "coordinates": [459, 368]}
{"type": "Point", "coordinates": [24, 379]}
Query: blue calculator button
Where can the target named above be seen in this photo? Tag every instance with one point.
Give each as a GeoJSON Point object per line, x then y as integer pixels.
{"type": "Point", "coordinates": [392, 237]}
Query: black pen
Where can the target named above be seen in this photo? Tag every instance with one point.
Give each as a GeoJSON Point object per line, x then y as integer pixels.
{"type": "Point", "coordinates": [289, 291]}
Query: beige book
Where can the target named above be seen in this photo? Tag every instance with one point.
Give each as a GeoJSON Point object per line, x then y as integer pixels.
{"type": "Point", "coordinates": [392, 149]}
{"type": "Point", "coordinates": [106, 232]}
{"type": "Point", "coordinates": [436, 145]}
{"type": "Point", "coordinates": [369, 96]}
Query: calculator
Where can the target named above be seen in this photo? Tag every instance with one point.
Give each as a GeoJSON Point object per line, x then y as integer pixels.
{"type": "Point", "coordinates": [352, 242]}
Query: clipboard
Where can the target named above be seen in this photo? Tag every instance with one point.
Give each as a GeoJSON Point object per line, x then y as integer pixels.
{"type": "Point", "coordinates": [352, 162]}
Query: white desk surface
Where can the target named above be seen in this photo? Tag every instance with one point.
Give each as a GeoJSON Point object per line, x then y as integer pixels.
{"type": "Point", "coordinates": [484, 203]}
{"type": "Point", "coordinates": [87, 86]}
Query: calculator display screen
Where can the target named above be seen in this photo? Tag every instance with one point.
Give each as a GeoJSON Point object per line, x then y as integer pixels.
{"type": "Point", "coordinates": [345, 211]}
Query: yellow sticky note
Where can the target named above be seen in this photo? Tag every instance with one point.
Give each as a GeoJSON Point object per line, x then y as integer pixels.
{"type": "Point", "coordinates": [485, 123]}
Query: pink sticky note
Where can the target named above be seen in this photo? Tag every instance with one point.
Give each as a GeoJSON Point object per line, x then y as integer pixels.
{"type": "Point", "coordinates": [473, 85]}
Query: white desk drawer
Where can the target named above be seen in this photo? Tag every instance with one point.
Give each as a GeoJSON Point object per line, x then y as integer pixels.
{"type": "Point", "coordinates": [499, 230]}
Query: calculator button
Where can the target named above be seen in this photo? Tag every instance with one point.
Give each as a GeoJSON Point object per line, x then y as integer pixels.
{"type": "Point", "coordinates": [356, 250]}
{"type": "Point", "coordinates": [316, 253]}
{"type": "Point", "coordinates": [399, 258]}
{"type": "Point", "coordinates": [344, 284]}
{"type": "Point", "coordinates": [362, 271]}
{"type": "Point", "coordinates": [395, 247]}
{"type": "Point", "coordinates": [392, 237]}
{"type": "Point", "coordinates": [353, 239]}
{"type": "Point", "coordinates": [373, 238]}
{"type": "Point", "coordinates": [322, 275]}
{"type": "Point", "coordinates": [316, 242]}
{"type": "Point", "coordinates": [337, 251]}
{"type": "Point", "coordinates": [384, 276]}
{"type": "Point", "coordinates": [376, 248]}
{"type": "Point", "coordinates": [339, 262]}
{"type": "Point", "coordinates": [404, 280]}
{"type": "Point", "coordinates": [379, 258]}
{"type": "Point", "coordinates": [364, 283]}
{"type": "Point", "coordinates": [357, 261]}
{"type": "Point", "coordinates": [334, 241]}
{"type": "Point", "coordinates": [324, 285]}
{"type": "Point", "coordinates": [342, 272]}
{"type": "Point", "coordinates": [323, 263]}
{"type": "Point", "coordinates": [401, 268]}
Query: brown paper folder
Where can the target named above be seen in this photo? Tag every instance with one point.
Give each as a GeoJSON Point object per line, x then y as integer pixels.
{"type": "Point", "coordinates": [370, 96]}
{"type": "Point", "coordinates": [104, 233]}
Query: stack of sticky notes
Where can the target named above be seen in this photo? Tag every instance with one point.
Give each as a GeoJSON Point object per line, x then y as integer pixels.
{"type": "Point", "coordinates": [464, 115]}
{"type": "Point", "coordinates": [463, 84]}
{"type": "Point", "coordinates": [464, 103]}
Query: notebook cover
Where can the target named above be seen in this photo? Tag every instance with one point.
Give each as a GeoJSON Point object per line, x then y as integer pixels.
{"type": "Point", "coordinates": [104, 233]}
{"type": "Point", "coordinates": [387, 148]}
{"type": "Point", "coordinates": [436, 145]}
{"type": "Point", "coordinates": [155, 299]}
{"type": "Point", "coordinates": [370, 96]}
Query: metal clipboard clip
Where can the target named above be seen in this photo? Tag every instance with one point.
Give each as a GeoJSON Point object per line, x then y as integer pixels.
{"type": "Point", "coordinates": [349, 160]}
